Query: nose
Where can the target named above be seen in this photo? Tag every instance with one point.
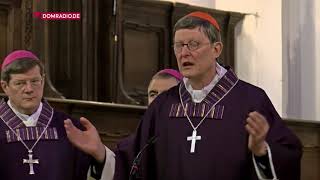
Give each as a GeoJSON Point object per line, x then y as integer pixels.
{"type": "Point", "coordinates": [185, 51]}
{"type": "Point", "coordinates": [28, 87]}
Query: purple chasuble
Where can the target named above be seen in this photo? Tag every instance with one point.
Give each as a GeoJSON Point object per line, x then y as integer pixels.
{"type": "Point", "coordinates": [58, 159]}
{"type": "Point", "coordinates": [222, 153]}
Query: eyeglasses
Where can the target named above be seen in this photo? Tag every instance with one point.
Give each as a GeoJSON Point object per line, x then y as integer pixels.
{"type": "Point", "coordinates": [192, 46]}
{"type": "Point", "coordinates": [20, 84]}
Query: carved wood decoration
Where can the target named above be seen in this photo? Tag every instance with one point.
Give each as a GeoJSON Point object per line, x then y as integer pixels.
{"type": "Point", "coordinates": [111, 53]}
{"type": "Point", "coordinates": [3, 30]}
{"type": "Point", "coordinates": [10, 26]}
{"type": "Point", "coordinates": [27, 20]}
{"type": "Point", "coordinates": [144, 49]}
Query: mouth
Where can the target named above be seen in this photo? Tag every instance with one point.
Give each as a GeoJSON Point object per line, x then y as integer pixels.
{"type": "Point", "coordinates": [187, 64]}
{"type": "Point", "coordinates": [28, 99]}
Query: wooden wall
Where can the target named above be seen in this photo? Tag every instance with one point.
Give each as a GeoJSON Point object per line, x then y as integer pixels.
{"type": "Point", "coordinates": [111, 53]}
{"type": "Point", "coordinates": [309, 134]}
{"type": "Point", "coordinates": [10, 26]}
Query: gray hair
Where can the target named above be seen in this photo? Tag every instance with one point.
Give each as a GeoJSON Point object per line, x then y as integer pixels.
{"type": "Point", "coordinates": [20, 66]}
{"type": "Point", "coordinates": [190, 22]}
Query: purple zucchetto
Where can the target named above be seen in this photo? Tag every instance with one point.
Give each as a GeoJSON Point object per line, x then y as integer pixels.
{"type": "Point", "coordinates": [174, 73]}
{"type": "Point", "coordinates": [16, 55]}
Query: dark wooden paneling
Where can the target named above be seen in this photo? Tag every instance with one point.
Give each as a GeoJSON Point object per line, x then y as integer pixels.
{"type": "Point", "coordinates": [144, 48]}
{"type": "Point", "coordinates": [10, 26]}
{"type": "Point", "coordinates": [78, 52]}
{"type": "Point", "coordinates": [113, 121]}
{"type": "Point", "coordinates": [111, 53]}
{"type": "Point", "coordinates": [3, 31]}
{"type": "Point", "coordinates": [309, 134]}
{"type": "Point", "coordinates": [108, 49]}
{"type": "Point", "coordinates": [65, 54]}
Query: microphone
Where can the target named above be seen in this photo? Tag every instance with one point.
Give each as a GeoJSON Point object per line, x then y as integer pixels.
{"type": "Point", "coordinates": [137, 159]}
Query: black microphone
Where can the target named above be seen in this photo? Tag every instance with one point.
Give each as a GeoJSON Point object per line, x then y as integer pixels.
{"type": "Point", "coordinates": [136, 161]}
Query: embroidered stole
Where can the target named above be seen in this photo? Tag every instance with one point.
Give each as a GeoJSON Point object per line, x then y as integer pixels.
{"type": "Point", "coordinates": [28, 133]}
{"type": "Point", "coordinates": [199, 110]}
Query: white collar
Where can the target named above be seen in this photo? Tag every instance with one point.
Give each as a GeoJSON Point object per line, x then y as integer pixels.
{"type": "Point", "coordinates": [29, 121]}
{"type": "Point", "coordinates": [199, 95]}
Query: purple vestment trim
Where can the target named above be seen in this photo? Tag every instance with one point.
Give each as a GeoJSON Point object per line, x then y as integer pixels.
{"type": "Point", "coordinates": [28, 133]}
{"type": "Point", "coordinates": [196, 110]}
{"type": "Point", "coordinates": [9, 116]}
{"type": "Point", "coordinates": [201, 109]}
{"type": "Point", "coordinates": [32, 133]}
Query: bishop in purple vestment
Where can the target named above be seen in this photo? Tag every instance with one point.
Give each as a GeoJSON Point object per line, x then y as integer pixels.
{"type": "Point", "coordinates": [211, 126]}
{"type": "Point", "coordinates": [35, 144]}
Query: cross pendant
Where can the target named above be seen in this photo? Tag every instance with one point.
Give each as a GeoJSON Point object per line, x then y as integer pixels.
{"type": "Point", "coordinates": [30, 161]}
{"type": "Point", "coordinates": [193, 140]}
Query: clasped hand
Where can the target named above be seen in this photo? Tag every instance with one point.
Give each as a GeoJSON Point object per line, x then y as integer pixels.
{"type": "Point", "coordinates": [257, 127]}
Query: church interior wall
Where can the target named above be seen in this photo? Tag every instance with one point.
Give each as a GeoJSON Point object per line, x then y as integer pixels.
{"type": "Point", "coordinates": [258, 45]}
{"type": "Point", "coordinates": [317, 34]}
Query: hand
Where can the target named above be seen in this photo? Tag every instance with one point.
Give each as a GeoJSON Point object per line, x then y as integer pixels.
{"type": "Point", "coordinates": [257, 127]}
{"type": "Point", "coordinates": [88, 140]}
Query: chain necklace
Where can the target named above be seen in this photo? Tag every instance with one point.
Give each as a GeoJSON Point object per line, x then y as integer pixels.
{"type": "Point", "coordinates": [30, 161]}
{"type": "Point", "coordinates": [193, 138]}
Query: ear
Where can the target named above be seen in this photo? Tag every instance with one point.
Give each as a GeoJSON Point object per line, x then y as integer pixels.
{"type": "Point", "coordinates": [4, 86]}
{"type": "Point", "coordinates": [43, 79]}
{"type": "Point", "coordinates": [217, 49]}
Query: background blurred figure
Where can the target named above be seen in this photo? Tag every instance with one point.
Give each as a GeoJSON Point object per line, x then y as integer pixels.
{"type": "Point", "coordinates": [162, 81]}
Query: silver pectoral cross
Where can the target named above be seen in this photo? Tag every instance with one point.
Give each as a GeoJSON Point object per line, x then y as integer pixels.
{"type": "Point", "coordinates": [193, 140]}
{"type": "Point", "coordinates": [31, 161]}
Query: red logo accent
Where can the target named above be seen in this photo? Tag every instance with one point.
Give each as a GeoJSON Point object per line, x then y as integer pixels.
{"type": "Point", "coordinates": [49, 16]}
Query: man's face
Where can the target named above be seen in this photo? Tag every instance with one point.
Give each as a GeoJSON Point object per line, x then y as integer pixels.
{"type": "Point", "coordinates": [157, 86]}
{"type": "Point", "coordinates": [25, 90]}
{"type": "Point", "coordinates": [200, 62]}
